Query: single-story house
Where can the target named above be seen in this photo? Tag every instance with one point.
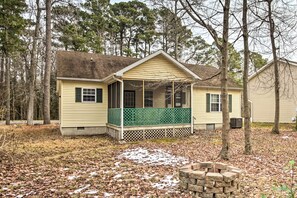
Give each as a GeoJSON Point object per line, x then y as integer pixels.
{"type": "Point", "coordinates": [262, 95]}
{"type": "Point", "coordinates": [132, 99]}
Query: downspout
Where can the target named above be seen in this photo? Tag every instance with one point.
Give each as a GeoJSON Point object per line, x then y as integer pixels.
{"type": "Point", "coordinates": [121, 106]}
{"type": "Point", "coordinates": [192, 103]}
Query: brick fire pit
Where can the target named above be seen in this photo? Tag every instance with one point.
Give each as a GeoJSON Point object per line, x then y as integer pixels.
{"type": "Point", "coordinates": [208, 179]}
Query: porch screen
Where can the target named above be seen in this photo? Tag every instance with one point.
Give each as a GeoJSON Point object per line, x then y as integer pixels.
{"type": "Point", "coordinates": [148, 98]}
{"type": "Point", "coordinates": [114, 94]}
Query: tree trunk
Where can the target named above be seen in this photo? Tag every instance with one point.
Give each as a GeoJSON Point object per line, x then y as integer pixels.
{"type": "Point", "coordinates": [2, 71]}
{"type": "Point", "coordinates": [13, 95]}
{"type": "Point", "coordinates": [176, 34]}
{"type": "Point", "coordinates": [246, 109]}
{"type": "Point", "coordinates": [7, 82]}
{"type": "Point", "coordinates": [47, 73]}
{"type": "Point", "coordinates": [276, 72]}
{"type": "Point", "coordinates": [32, 72]}
{"type": "Point", "coordinates": [121, 42]}
{"type": "Point", "coordinates": [224, 86]}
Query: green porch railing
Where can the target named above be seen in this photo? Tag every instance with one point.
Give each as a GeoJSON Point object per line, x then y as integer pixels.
{"type": "Point", "coordinates": [114, 116]}
{"type": "Point", "coordinates": [150, 116]}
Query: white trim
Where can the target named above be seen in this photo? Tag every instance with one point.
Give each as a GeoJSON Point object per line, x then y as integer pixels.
{"type": "Point", "coordinates": [79, 79]}
{"type": "Point", "coordinates": [122, 107]}
{"type": "Point", "coordinates": [269, 64]}
{"type": "Point", "coordinates": [210, 87]}
{"type": "Point", "coordinates": [192, 108]}
{"type": "Point", "coordinates": [86, 79]}
{"type": "Point", "coordinates": [220, 103]}
{"type": "Point", "coordinates": [260, 70]}
{"type": "Point", "coordinates": [82, 95]}
{"type": "Point", "coordinates": [160, 52]}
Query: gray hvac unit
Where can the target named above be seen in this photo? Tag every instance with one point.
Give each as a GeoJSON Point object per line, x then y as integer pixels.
{"type": "Point", "coordinates": [235, 123]}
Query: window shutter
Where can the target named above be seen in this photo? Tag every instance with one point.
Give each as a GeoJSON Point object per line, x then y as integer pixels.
{"type": "Point", "coordinates": [99, 95]}
{"type": "Point", "coordinates": [184, 98]}
{"type": "Point", "coordinates": [77, 94]}
{"type": "Point", "coordinates": [230, 103]}
{"type": "Point", "coordinates": [207, 102]}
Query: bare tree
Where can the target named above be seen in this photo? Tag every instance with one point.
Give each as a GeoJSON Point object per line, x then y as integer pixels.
{"type": "Point", "coordinates": [32, 70]}
{"type": "Point", "coordinates": [222, 45]}
{"type": "Point", "coordinates": [275, 32]}
{"type": "Point", "coordinates": [275, 65]}
{"type": "Point", "coordinates": [47, 73]}
{"type": "Point", "coordinates": [246, 109]}
{"type": "Point", "coordinates": [7, 90]}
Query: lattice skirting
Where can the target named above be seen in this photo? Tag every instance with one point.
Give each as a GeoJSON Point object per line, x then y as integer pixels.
{"type": "Point", "coordinates": [137, 134]}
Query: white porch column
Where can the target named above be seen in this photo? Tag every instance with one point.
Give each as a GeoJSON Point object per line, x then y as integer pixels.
{"type": "Point", "coordinates": [122, 110]}
{"type": "Point", "coordinates": [142, 93]}
{"type": "Point", "coordinates": [192, 107]}
{"type": "Point", "coordinates": [172, 95]}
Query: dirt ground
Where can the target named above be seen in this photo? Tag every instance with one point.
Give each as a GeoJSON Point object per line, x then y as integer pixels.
{"type": "Point", "coordinates": [38, 162]}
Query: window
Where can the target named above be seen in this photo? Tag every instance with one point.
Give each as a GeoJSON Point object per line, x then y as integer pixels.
{"type": "Point", "coordinates": [89, 95]}
{"type": "Point", "coordinates": [129, 99]}
{"type": "Point", "coordinates": [148, 98]}
{"type": "Point", "coordinates": [178, 99]}
{"type": "Point", "coordinates": [215, 102]}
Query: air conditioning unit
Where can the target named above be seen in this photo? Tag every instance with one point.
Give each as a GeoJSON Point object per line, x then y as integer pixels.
{"type": "Point", "coordinates": [235, 123]}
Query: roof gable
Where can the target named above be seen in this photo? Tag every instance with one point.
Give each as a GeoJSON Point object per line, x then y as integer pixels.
{"type": "Point", "coordinates": [269, 64]}
{"type": "Point", "coordinates": [154, 55]}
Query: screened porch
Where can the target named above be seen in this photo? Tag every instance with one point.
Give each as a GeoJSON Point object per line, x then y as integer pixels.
{"type": "Point", "coordinates": [149, 103]}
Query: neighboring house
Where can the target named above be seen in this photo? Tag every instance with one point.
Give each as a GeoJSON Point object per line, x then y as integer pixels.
{"type": "Point", "coordinates": [262, 95]}
{"type": "Point", "coordinates": [134, 99]}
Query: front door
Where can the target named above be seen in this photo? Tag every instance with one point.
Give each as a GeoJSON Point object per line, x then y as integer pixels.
{"type": "Point", "coordinates": [129, 99]}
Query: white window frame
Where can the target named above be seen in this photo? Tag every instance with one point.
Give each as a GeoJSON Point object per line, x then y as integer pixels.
{"type": "Point", "coordinates": [82, 95]}
{"type": "Point", "coordinates": [220, 103]}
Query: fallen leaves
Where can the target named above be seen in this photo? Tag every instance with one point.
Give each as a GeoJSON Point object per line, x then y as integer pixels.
{"type": "Point", "coordinates": [47, 164]}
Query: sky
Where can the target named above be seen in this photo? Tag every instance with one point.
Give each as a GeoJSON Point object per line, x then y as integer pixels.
{"type": "Point", "coordinates": [117, 1]}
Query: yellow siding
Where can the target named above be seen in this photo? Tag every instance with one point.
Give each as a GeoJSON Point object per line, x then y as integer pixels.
{"type": "Point", "coordinates": [261, 92]}
{"type": "Point", "coordinates": [157, 68]}
{"type": "Point", "coordinates": [82, 114]}
{"type": "Point", "coordinates": [199, 109]}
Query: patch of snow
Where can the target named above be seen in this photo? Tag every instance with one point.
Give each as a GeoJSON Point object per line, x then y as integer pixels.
{"type": "Point", "coordinates": [117, 176]}
{"type": "Point", "coordinates": [81, 189]}
{"type": "Point", "coordinates": [167, 183]}
{"type": "Point", "coordinates": [153, 157]}
{"type": "Point", "coordinates": [4, 188]}
{"type": "Point", "coordinates": [146, 176]}
{"type": "Point", "coordinates": [285, 137]}
{"type": "Point", "coordinates": [108, 194]}
{"type": "Point", "coordinates": [65, 169]}
{"type": "Point", "coordinates": [117, 164]}
{"type": "Point", "coordinates": [19, 196]}
{"type": "Point", "coordinates": [93, 174]}
{"type": "Point", "coordinates": [72, 177]}
{"type": "Point", "coordinates": [91, 192]}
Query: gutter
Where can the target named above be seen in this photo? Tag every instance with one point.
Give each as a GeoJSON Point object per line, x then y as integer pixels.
{"type": "Point", "coordinates": [87, 79]}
